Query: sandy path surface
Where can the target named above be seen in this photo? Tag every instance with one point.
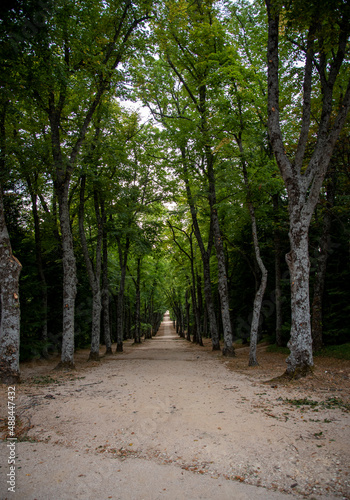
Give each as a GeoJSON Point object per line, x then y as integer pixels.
{"type": "Point", "coordinates": [167, 420]}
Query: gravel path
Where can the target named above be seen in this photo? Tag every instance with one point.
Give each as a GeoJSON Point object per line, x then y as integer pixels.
{"type": "Point", "coordinates": [166, 420]}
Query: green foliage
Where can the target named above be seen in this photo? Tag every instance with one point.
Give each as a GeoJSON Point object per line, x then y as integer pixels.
{"type": "Point", "coordinates": [275, 349]}
{"type": "Point", "coordinates": [200, 67]}
{"type": "Point", "coordinates": [335, 351]}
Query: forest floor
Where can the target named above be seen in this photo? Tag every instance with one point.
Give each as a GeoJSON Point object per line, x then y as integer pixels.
{"type": "Point", "coordinates": [167, 419]}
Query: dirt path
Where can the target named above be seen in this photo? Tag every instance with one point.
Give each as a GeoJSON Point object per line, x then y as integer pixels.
{"type": "Point", "coordinates": [168, 420]}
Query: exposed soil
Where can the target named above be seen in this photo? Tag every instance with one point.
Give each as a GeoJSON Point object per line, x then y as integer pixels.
{"type": "Point", "coordinates": [168, 419]}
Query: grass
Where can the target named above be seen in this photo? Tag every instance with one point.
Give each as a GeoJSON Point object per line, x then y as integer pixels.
{"type": "Point", "coordinates": [332, 351]}
{"type": "Point", "coordinates": [275, 349]}
{"type": "Point", "coordinates": [44, 380]}
{"type": "Point", "coordinates": [335, 351]}
{"type": "Point", "coordinates": [329, 403]}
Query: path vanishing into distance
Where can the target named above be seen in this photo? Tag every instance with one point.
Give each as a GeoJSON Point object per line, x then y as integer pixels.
{"type": "Point", "coordinates": [166, 419]}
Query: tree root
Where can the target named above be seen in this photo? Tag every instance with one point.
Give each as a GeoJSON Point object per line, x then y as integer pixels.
{"type": "Point", "coordinates": [65, 366]}
{"type": "Point", "coordinates": [229, 352]}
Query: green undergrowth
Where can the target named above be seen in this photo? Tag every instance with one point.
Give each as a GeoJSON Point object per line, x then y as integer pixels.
{"type": "Point", "coordinates": [47, 380]}
{"type": "Point", "coordinates": [335, 351]}
{"type": "Point", "coordinates": [275, 349]}
{"type": "Point", "coordinates": [332, 351]}
{"type": "Point", "coordinates": [44, 380]}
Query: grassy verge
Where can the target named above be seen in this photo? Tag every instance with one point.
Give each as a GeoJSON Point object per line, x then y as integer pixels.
{"type": "Point", "coordinates": [335, 351]}
{"type": "Point", "coordinates": [332, 351]}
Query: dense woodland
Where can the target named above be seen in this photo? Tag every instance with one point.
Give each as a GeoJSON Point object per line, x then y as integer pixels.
{"type": "Point", "coordinates": [191, 156]}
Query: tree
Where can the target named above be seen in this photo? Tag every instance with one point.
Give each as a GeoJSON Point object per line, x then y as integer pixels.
{"type": "Point", "coordinates": [193, 286]}
{"type": "Point", "coordinates": [320, 33]}
{"type": "Point", "coordinates": [94, 270]}
{"type": "Point", "coordinates": [67, 80]}
{"type": "Point", "coordinates": [10, 269]}
{"type": "Point", "coordinates": [189, 37]}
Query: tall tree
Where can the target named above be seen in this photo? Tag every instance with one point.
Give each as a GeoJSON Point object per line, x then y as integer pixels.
{"type": "Point", "coordinates": [67, 76]}
{"type": "Point", "coordinates": [10, 269]}
{"type": "Point", "coordinates": [319, 33]}
{"type": "Point", "coordinates": [189, 37]}
{"type": "Point", "coordinates": [93, 267]}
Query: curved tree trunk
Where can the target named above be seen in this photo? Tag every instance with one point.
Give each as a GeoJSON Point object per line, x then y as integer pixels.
{"type": "Point", "coordinates": [259, 294]}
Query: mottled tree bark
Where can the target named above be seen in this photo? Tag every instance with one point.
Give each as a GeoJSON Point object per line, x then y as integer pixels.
{"type": "Point", "coordinates": [300, 361]}
{"type": "Point", "coordinates": [10, 313]}
{"type": "Point", "coordinates": [228, 349]}
{"type": "Point", "coordinates": [69, 279]}
{"type": "Point", "coordinates": [303, 184]}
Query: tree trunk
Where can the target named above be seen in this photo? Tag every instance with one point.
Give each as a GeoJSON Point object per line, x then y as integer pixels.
{"type": "Point", "coordinates": [213, 327]}
{"type": "Point", "coordinates": [120, 315]}
{"type": "Point", "coordinates": [69, 279]}
{"type": "Point", "coordinates": [96, 324]}
{"type": "Point", "coordinates": [303, 180]}
{"type": "Point", "coordinates": [199, 309]}
{"type": "Point", "coordinates": [39, 265]}
{"type": "Point", "coordinates": [188, 333]}
{"type": "Point", "coordinates": [120, 306]}
{"type": "Point", "coordinates": [259, 294]}
{"type": "Point", "coordinates": [10, 313]}
{"type": "Point", "coordinates": [105, 284]}
{"type": "Point", "coordinates": [93, 274]}
{"type": "Point", "coordinates": [196, 326]}
{"type": "Point", "coordinates": [300, 360]}
{"type": "Point", "coordinates": [228, 349]}
{"type": "Point", "coordinates": [205, 254]}
{"type": "Point", "coordinates": [137, 335]}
